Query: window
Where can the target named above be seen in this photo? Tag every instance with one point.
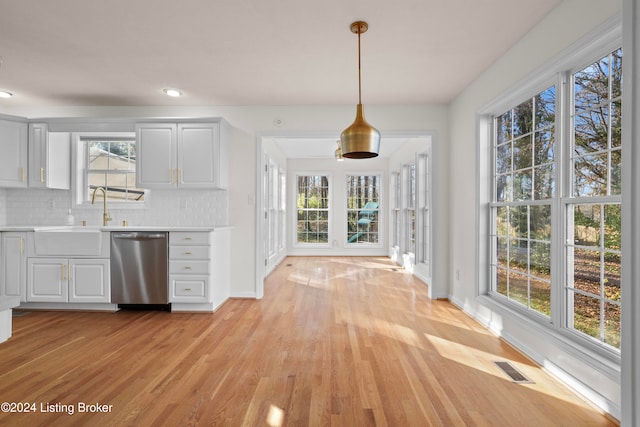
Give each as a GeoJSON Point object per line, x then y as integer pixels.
{"type": "Point", "coordinates": [396, 204]}
{"type": "Point", "coordinates": [409, 205]}
{"type": "Point", "coordinates": [524, 185]}
{"type": "Point", "coordinates": [555, 203]}
{"type": "Point", "coordinates": [424, 204]}
{"type": "Point", "coordinates": [111, 164]}
{"type": "Point", "coordinates": [593, 210]}
{"type": "Point", "coordinates": [312, 206]}
{"type": "Point", "coordinates": [363, 203]}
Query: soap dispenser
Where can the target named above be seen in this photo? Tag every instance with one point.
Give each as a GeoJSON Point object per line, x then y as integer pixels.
{"type": "Point", "coordinates": [70, 218]}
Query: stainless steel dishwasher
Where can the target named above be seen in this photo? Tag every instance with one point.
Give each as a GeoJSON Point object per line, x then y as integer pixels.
{"type": "Point", "coordinates": [139, 272]}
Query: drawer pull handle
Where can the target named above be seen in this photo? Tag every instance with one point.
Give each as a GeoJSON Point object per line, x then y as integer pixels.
{"type": "Point", "coordinates": [187, 268]}
{"type": "Point", "coordinates": [187, 289]}
{"type": "Point", "coordinates": [187, 253]}
{"type": "Point", "coordinates": [187, 238]}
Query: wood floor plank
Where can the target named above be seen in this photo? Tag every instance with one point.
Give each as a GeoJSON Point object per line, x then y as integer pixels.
{"type": "Point", "coordinates": [345, 341]}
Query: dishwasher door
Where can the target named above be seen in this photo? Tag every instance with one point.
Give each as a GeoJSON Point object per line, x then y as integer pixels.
{"type": "Point", "coordinates": [139, 267]}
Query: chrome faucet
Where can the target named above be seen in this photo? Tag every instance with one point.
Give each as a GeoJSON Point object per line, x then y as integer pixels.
{"type": "Point", "coordinates": [105, 215]}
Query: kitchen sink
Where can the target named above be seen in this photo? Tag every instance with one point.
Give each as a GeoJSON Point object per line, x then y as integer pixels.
{"type": "Point", "coordinates": [68, 241]}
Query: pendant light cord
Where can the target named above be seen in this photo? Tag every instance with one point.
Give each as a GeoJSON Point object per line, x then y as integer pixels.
{"type": "Point", "coordinates": [359, 72]}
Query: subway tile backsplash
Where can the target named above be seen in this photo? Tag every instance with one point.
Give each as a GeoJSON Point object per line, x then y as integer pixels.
{"type": "Point", "coordinates": [162, 208]}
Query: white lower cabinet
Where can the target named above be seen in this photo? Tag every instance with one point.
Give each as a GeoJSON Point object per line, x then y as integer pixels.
{"type": "Point", "coordinates": [189, 267]}
{"type": "Point", "coordinates": [13, 265]}
{"type": "Point", "coordinates": [68, 280]}
{"type": "Point", "coordinates": [199, 269]}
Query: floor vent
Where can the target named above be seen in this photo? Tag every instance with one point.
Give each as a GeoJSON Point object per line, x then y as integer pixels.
{"type": "Point", "coordinates": [515, 375]}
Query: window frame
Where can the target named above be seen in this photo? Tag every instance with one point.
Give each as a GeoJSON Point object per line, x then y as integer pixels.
{"type": "Point", "coordinates": [586, 51]}
{"type": "Point", "coordinates": [328, 209]}
{"type": "Point", "coordinates": [80, 174]}
{"type": "Point", "coordinates": [360, 174]}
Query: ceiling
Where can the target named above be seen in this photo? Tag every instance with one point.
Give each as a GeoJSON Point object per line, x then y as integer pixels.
{"type": "Point", "coordinates": [251, 52]}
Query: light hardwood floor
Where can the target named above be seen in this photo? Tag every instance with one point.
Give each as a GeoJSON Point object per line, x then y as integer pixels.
{"type": "Point", "coordinates": [335, 341]}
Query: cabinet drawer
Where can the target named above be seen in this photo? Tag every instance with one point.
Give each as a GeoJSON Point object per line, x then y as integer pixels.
{"type": "Point", "coordinates": [190, 252]}
{"type": "Point", "coordinates": [188, 267]}
{"type": "Point", "coordinates": [189, 289]}
{"type": "Point", "coordinates": [188, 238]}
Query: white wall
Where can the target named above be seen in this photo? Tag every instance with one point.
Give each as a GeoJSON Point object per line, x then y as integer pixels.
{"type": "Point", "coordinates": [571, 20]}
{"type": "Point", "coordinates": [246, 123]}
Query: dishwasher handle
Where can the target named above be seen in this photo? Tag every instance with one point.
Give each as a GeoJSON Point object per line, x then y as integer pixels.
{"type": "Point", "coordinates": [139, 236]}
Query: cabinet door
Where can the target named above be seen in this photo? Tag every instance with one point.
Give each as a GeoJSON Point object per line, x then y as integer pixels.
{"type": "Point", "coordinates": [89, 280]}
{"type": "Point", "coordinates": [198, 155]}
{"type": "Point", "coordinates": [13, 162]}
{"type": "Point", "coordinates": [37, 154]}
{"type": "Point", "coordinates": [156, 155]}
{"type": "Point", "coordinates": [14, 265]}
{"type": "Point", "coordinates": [47, 280]}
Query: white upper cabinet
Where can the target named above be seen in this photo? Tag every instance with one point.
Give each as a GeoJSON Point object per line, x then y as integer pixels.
{"type": "Point", "coordinates": [156, 155]}
{"type": "Point", "coordinates": [182, 155]}
{"type": "Point", "coordinates": [13, 162]}
{"type": "Point", "coordinates": [49, 158]}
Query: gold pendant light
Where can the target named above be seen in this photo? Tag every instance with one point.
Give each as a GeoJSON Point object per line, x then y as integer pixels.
{"type": "Point", "coordinates": [360, 140]}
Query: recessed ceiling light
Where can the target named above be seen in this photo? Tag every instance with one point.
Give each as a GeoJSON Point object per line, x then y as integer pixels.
{"type": "Point", "coordinates": [172, 92]}
{"type": "Point", "coordinates": [5, 94]}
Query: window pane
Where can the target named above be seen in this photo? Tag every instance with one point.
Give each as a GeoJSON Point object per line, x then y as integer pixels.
{"type": "Point", "coordinates": [503, 158]}
{"type": "Point", "coordinates": [591, 85]}
{"type": "Point", "coordinates": [591, 131]}
{"type": "Point", "coordinates": [502, 221]}
{"type": "Point", "coordinates": [590, 175]}
{"type": "Point", "coordinates": [501, 279]}
{"type": "Point", "coordinates": [503, 188]}
{"type": "Point", "coordinates": [523, 118]}
{"type": "Point", "coordinates": [612, 324]}
{"type": "Point", "coordinates": [612, 277]}
{"type": "Point", "coordinates": [503, 128]}
{"type": "Point", "coordinates": [612, 226]}
{"type": "Point", "coordinates": [522, 153]}
{"type": "Point", "coordinates": [586, 225]}
{"type": "Point", "coordinates": [544, 147]}
{"type": "Point", "coordinates": [518, 288]}
{"type": "Point", "coordinates": [502, 257]}
{"type": "Point", "coordinates": [540, 295]}
{"type": "Point", "coordinates": [540, 259]}
{"type": "Point", "coordinates": [540, 222]}
{"type": "Point", "coordinates": [586, 271]}
{"type": "Point", "coordinates": [616, 173]}
{"type": "Point", "coordinates": [544, 182]}
{"type": "Point", "coordinates": [522, 183]}
{"type": "Point", "coordinates": [545, 104]}
{"type": "Point", "coordinates": [616, 74]}
{"type": "Point", "coordinates": [586, 314]}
